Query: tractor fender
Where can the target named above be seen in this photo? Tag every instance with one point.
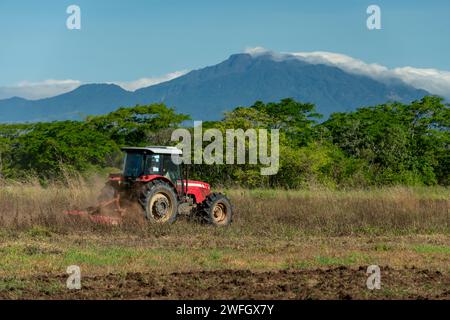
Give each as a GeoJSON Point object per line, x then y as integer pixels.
{"type": "Point", "coordinates": [197, 189]}
{"type": "Point", "coordinates": [152, 177]}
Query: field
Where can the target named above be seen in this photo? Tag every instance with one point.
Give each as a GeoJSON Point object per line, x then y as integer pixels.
{"type": "Point", "coordinates": [282, 244]}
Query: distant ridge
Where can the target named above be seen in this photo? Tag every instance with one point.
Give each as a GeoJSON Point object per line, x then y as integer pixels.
{"type": "Point", "coordinates": [206, 93]}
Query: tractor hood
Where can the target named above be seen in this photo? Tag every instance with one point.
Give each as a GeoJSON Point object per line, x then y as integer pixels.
{"type": "Point", "coordinates": [198, 184]}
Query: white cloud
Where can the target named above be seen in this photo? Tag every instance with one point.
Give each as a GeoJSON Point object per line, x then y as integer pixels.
{"type": "Point", "coordinates": [38, 90]}
{"type": "Point", "coordinates": [146, 82]}
{"type": "Point", "coordinates": [433, 80]}
{"type": "Point", "coordinates": [256, 50]}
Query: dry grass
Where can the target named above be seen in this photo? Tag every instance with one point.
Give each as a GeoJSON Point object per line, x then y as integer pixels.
{"type": "Point", "coordinates": [324, 212]}
{"type": "Point", "coordinates": [270, 213]}
{"type": "Point", "coordinates": [24, 205]}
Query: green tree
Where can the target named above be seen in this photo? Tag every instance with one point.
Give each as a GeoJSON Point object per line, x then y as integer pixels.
{"type": "Point", "coordinates": [405, 143]}
{"type": "Point", "coordinates": [49, 147]}
{"type": "Point", "coordinates": [45, 148]}
{"type": "Point", "coordinates": [137, 125]}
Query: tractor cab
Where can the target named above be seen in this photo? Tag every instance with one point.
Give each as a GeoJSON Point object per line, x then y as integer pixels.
{"type": "Point", "coordinates": [151, 161]}
{"type": "Point", "coordinates": [145, 164]}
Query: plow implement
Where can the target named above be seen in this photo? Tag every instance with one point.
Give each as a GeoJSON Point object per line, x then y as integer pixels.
{"type": "Point", "coordinates": [95, 214]}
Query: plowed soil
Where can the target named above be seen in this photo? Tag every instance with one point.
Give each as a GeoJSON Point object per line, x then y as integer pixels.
{"type": "Point", "coordinates": [332, 283]}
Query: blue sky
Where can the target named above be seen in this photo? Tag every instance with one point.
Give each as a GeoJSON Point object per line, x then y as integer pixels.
{"type": "Point", "coordinates": [129, 40]}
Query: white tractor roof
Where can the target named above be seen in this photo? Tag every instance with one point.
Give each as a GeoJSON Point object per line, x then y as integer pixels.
{"type": "Point", "coordinates": [156, 149]}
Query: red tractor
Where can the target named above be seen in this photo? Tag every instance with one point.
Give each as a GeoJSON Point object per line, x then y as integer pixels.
{"type": "Point", "coordinates": [151, 178]}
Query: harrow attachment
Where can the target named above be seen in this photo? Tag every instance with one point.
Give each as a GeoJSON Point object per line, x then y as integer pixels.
{"type": "Point", "coordinates": [95, 213]}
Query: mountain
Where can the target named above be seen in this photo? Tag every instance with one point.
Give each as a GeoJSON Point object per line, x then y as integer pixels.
{"type": "Point", "coordinates": [85, 100]}
{"type": "Point", "coordinates": [206, 93]}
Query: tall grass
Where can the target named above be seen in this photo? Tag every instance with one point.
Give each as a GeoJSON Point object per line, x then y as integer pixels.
{"type": "Point", "coordinates": [27, 204]}
{"type": "Point", "coordinates": [271, 213]}
{"type": "Point", "coordinates": [395, 210]}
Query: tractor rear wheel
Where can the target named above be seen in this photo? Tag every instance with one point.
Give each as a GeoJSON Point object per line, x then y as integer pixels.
{"type": "Point", "coordinates": [159, 202]}
{"type": "Point", "coordinates": [217, 209]}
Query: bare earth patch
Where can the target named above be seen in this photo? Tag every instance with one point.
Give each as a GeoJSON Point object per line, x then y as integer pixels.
{"type": "Point", "coordinates": [331, 283]}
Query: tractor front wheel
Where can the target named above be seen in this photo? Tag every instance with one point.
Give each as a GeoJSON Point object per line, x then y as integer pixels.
{"type": "Point", "coordinates": [216, 209]}
{"type": "Point", "coordinates": [160, 202]}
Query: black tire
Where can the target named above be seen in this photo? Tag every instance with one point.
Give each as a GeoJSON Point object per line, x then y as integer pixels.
{"type": "Point", "coordinates": [216, 209]}
{"type": "Point", "coordinates": [159, 202]}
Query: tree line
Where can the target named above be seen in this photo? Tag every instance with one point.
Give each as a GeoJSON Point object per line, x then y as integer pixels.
{"type": "Point", "coordinates": [387, 144]}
